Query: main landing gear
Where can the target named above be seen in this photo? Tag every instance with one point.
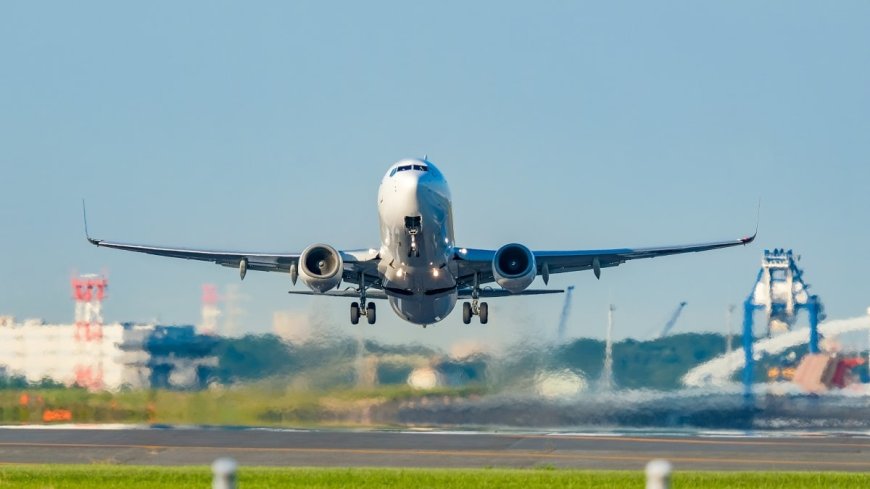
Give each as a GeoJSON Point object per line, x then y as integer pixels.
{"type": "Point", "coordinates": [370, 312]}
{"type": "Point", "coordinates": [360, 308]}
{"type": "Point", "coordinates": [475, 307]}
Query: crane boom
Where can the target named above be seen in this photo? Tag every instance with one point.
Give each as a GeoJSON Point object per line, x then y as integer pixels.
{"type": "Point", "coordinates": [672, 321]}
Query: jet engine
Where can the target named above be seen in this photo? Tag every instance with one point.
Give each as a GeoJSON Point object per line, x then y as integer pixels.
{"type": "Point", "coordinates": [320, 267]}
{"type": "Point", "coordinates": [513, 267]}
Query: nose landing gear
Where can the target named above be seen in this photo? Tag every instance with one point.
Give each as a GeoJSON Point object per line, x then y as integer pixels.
{"type": "Point", "coordinates": [413, 224]}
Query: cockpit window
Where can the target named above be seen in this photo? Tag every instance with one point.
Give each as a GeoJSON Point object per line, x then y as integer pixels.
{"type": "Point", "coordinates": [408, 167]}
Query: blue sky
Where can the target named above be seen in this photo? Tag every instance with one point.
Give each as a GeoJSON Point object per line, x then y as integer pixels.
{"type": "Point", "coordinates": [267, 126]}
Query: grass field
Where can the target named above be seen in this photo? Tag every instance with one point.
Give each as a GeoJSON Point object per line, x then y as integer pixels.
{"type": "Point", "coordinates": [107, 476]}
{"type": "Point", "coordinates": [259, 404]}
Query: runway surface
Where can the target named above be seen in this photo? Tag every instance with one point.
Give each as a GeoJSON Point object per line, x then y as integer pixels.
{"type": "Point", "coordinates": [196, 446]}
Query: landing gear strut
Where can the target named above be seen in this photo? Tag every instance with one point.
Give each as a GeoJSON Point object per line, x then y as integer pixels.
{"type": "Point", "coordinates": [475, 308]}
{"type": "Point", "coordinates": [360, 308]}
{"type": "Point", "coordinates": [413, 225]}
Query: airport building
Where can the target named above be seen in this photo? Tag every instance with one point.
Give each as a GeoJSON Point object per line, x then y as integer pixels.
{"type": "Point", "coordinates": [98, 356]}
{"type": "Point", "coordinates": [117, 356]}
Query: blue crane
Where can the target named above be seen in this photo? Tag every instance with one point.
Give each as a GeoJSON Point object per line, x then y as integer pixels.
{"type": "Point", "coordinates": [672, 321]}
{"type": "Point", "coordinates": [781, 292]}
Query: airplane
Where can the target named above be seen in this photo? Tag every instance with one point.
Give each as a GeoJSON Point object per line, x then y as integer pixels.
{"type": "Point", "coordinates": [418, 268]}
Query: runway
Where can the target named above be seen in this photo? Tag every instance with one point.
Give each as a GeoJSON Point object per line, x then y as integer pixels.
{"type": "Point", "coordinates": [197, 446]}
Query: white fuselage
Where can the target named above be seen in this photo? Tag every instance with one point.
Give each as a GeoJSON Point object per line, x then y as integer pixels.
{"type": "Point", "coordinates": [417, 246]}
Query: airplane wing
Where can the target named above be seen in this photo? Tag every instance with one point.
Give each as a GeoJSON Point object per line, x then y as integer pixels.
{"type": "Point", "coordinates": [462, 293]}
{"type": "Point", "coordinates": [355, 261]}
{"type": "Point", "coordinates": [471, 261]}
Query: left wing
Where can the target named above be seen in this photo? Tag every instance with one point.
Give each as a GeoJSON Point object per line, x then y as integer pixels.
{"type": "Point", "coordinates": [471, 261]}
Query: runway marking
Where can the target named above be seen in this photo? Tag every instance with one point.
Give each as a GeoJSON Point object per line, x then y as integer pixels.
{"type": "Point", "coordinates": [457, 453]}
{"type": "Point", "coordinates": [688, 441]}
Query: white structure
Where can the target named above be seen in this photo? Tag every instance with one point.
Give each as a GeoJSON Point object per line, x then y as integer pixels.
{"type": "Point", "coordinates": [101, 356]}
{"type": "Point", "coordinates": [120, 357]}
{"type": "Point", "coordinates": [719, 371]}
{"type": "Point", "coordinates": [425, 378]}
{"type": "Point", "coordinates": [606, 382]}
{"type": "Point", "coordinates": [559, 384]}
{"type": "Point", "coordinates": [38, 351]}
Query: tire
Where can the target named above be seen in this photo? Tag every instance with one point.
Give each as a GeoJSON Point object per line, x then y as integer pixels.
{"type": "Point", "coordinates": [484, 313]}
{"type": "Point", "coordinates": [371, 313]}
{"type": "Point", "coordinates": [354, 313]}
{"type": "Point", "coordinates": [466, 313]}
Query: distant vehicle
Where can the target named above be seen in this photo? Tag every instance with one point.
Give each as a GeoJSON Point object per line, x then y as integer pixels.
{"type": "Point", "coordinates": [418, 267]}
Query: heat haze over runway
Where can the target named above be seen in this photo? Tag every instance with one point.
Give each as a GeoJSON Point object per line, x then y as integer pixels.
{"type": "Point", "coordinates": [263, 447]}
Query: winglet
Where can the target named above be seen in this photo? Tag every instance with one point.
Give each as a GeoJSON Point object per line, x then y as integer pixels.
{"type": "Point", "coordinates": [85, 219]}
{"type": "Point", "coordinates": [750, 239]}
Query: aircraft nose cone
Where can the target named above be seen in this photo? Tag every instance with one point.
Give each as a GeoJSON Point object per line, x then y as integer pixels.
{"type": "Point", "coordinates": [409, 177]}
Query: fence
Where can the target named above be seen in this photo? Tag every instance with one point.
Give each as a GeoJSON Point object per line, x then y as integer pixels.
{"type": "Point", "coordinates": [658, 474]}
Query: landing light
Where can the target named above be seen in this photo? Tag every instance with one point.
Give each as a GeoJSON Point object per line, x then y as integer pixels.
{"type": "Point", "coordinates": [435, 272]}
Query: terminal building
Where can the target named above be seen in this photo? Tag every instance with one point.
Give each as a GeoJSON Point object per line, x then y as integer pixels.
{"type": "Point", "coordinates": [99, 356]}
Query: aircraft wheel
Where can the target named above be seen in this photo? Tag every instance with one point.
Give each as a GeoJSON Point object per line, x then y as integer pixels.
{"type": "Point", "coordinates": [354, 313]}
{"type": "Point", "coordinates": [370, 313]}
{"type": "Point", "coordinates": [484, 313]}
{"type": "Point", "coordinates": [466, 313]}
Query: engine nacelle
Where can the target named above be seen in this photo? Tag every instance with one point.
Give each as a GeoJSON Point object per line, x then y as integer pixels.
{"type": "Point", "coordinates": [514, 268]}
{"type": "Point", "coordinates": [320, 267]}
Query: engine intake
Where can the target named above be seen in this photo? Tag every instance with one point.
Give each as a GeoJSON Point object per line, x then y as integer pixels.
{"type": "Point", "coordinates": [320, 267]}
{"type": "Point", "coordinates": [514, 268]}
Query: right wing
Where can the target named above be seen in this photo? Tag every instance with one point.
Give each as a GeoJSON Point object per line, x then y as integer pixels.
{"type": "Point", "coordinates": [355, 261]}
{"type": "Point", "coordinates": [266, 262]}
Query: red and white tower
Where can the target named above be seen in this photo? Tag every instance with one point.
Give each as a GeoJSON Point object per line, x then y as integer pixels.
{"type": "Point", "coordinates": [89, 291]}
{"type": "Point", "coordinates": [210, 309]}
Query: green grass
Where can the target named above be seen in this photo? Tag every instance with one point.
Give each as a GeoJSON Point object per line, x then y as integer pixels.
{"type": "Point", "coordinates": [123, 477]}
{"type": "Point", "coordinates": [266, 403]}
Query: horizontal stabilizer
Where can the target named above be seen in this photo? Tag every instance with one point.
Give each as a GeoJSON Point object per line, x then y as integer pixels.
{"type": "Point", "coordinates": [492, 293]}
{"type": "Point", "coordinates": [463, 293]}
{"type": "Point", "coordinates": [371, 294]}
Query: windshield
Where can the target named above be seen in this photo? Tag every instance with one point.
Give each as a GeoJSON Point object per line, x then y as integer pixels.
{"type": "Point", "coordinates": [408, 167]}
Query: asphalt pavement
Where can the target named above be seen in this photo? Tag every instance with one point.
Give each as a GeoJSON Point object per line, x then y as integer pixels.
{"type": "Point", "coordinates": [265, 447]}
